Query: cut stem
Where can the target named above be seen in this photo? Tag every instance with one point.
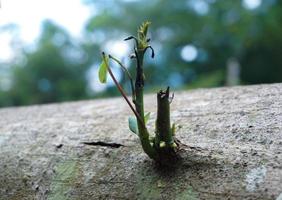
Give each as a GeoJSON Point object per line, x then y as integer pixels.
{"type": "Point", "coordinates": [163, 128]}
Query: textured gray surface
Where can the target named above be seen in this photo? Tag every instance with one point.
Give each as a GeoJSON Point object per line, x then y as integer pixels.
{"type": "Point", "coordinates": [234, 138]}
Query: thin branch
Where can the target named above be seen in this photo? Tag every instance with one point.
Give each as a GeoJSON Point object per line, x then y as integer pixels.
{"type": "Point", "coordinates": [132, 37]}
{"type": "Point", "coordinates": [153, 52]}
{"type": "Point", "coordinates": [125, 97]}
{"type": "Point", "coordinates": [128, 75]}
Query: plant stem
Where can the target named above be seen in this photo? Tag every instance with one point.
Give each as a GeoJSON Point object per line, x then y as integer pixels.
{"type": "Point", "coordinates": [163, 129]}
{"type": "Point", "coordinates": [139, 105]}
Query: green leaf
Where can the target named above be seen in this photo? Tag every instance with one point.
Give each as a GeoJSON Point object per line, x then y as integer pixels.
{"type": "Point", "coordinates": [132, 122]}
{"type": "Point", "coordinates": [147, 117]}
{"type": "Point", "coordinates": [103, 69]}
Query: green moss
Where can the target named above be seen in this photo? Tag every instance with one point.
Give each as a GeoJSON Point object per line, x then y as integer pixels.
{"type": "Point", "coordinates": [187, 194]}
{"type": "Point", "coordinates": [148, 190]}
{"type": "Point", "coordinates": [66, 173]}
{"type": "Point", "coordinates": [148, 187]}
{"type": "Point", "coordinates": [157, 188]}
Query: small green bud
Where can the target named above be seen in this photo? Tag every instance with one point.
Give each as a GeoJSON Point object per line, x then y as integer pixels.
{"type": "Point", "coordinates": [162, 144]}
{"type": "Point", "coordinates": [174, 145]}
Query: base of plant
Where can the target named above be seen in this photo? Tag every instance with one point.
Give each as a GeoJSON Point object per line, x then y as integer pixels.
{"type": "Point", "coordinates": [170, 157]}
{"type": "Point", "coordinates": [167, 156]}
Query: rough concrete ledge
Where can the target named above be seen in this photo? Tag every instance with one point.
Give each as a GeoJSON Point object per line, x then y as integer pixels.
{"type": "Point", "coordinates": [234, 137]}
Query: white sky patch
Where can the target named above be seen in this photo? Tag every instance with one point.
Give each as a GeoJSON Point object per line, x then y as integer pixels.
{"type": "Point", "coordinates": [93, 81]}
{"type": "Point", "coordinates": [28, 15]}
{"type": "Point", "coordinates": [118, 49]}
{"type": "Point", "coordinates": [251, 4]}
{"type": "Point", "coordinates": [6, 52]}
{"type": "Point", "coordinates": [189, 53]}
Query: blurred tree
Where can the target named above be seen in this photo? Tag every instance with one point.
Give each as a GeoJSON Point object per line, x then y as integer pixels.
{"type": "Point", "coordinates": [261, 61]}
{"type": "Point", "coordinates": [194, 39]}
{"type": "Point", "coordinates": [54, 71]}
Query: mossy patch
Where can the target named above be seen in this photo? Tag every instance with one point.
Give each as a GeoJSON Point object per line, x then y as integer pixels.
{"type": "Point", "coordinates": [149, 189]}
{"type": "Point", "coordinates": [187, 194]}
{"type": "Point", "coordinates": [64, 180]}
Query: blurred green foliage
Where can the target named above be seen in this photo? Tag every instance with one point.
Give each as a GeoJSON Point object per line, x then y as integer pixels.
{"type": "Point", "coordinates": [219, 30]}
{"type": "Point", "coordinates": [50, 73]}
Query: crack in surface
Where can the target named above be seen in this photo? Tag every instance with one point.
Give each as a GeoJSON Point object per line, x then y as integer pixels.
{"type": "Point", "coordinates": [104, 144]}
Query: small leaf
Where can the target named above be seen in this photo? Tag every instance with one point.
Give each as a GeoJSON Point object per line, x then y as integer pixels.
{"type": "Point", "coordinates": [103, 69]}
{"type": "Point", "coordinates": [147, 117]}
{"type": "Point", "coordinates": [162, 144]}
{"type": "Point", "coordinates": [132, 122]}
{"type": "Point", "coordinates": [173, 145]}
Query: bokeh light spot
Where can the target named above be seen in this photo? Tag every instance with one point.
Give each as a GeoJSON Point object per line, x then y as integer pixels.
{"type": "Point", "coordinates": [189, 53]}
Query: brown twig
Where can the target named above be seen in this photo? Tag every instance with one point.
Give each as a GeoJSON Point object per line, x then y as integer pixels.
{"type": "Point", "coordinates": [124, 96]}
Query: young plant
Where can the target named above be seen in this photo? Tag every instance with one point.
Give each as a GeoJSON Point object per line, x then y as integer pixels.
{"type": "Point", "coordinates": [162, 148]}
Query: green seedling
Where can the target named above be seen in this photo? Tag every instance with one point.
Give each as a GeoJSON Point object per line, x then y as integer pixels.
{"type": "Point", "coordinates": [162, 147]}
